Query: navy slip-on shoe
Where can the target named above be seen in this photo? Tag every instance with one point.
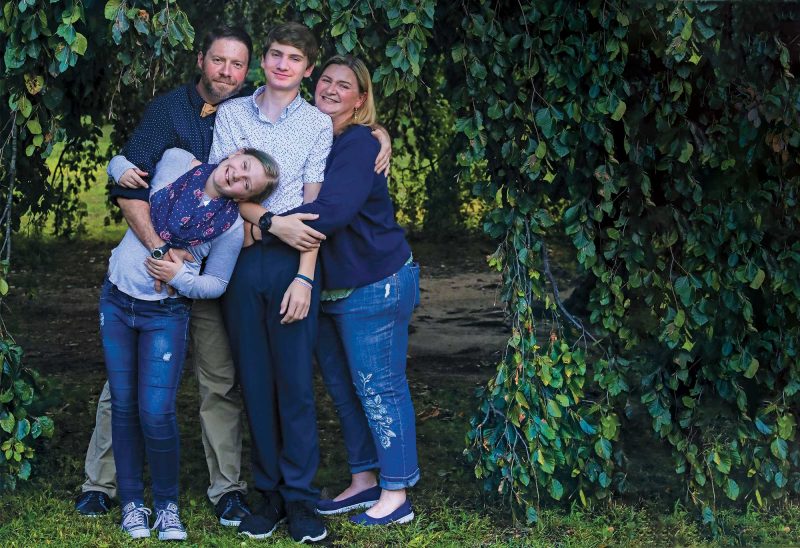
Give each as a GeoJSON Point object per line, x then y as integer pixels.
{"type": "Point", "coordinates": [404, 514]}
{"type": "Point", "coordinates": [364, 499]}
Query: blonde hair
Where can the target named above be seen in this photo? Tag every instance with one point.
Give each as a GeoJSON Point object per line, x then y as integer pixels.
{"type": "Point", "coordinates": [366, 114]}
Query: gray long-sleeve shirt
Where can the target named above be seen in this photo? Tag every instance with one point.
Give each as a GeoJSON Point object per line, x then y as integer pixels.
{"type": "Point", "coordinates": [126, 268]}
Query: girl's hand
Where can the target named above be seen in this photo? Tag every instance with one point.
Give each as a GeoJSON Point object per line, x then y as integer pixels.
{"type": "Point", "coordinates": [296, 302]}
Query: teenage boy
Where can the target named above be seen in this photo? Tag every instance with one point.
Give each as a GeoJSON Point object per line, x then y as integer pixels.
{"type": "Point", "coordinates": [183, 118]}
{"type": "Point", "coordinates": [271, 303]}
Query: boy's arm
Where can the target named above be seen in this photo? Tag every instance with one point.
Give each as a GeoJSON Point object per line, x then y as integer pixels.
{"type": "Point", "coordinates": [297, 299]}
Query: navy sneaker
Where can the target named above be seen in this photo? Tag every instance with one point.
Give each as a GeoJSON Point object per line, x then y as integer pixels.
{"type": "Point", "coordinates": [364, 499]}
{"type": "Point", "coordinates": [135, 520]}
{"type": "Point", "coordinates": [404, 514]}
{"type": "Point", "coordinates": [304, 523]}
{"type": "Point", "coordinates": [265, 520]}
{"type": "Point", "coordinates": [168, 523]}
{"type": "Point", "coordinates": [231, 508]}
{"type": "Point", "coordinates": [93, 503]}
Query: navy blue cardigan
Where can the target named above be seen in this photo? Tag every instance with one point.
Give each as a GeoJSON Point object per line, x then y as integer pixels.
{"type": "Point", "coordinates": [365, 244]}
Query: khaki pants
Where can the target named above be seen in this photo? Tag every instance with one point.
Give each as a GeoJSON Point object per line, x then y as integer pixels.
{"type": "Point", "coordinates": [220, 411]}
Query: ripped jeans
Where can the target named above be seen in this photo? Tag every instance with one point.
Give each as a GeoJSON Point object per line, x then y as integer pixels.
{"type": "Point", "coordinates": [144, 343]}
{"type": "Point", "coordinates": [361, 350]}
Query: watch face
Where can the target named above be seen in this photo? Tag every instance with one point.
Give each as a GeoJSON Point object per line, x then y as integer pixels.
{"type": "Point", "coordinates": [157, 253]}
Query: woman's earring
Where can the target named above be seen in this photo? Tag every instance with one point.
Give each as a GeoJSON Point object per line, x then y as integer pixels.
{"type": "Point", "coordinates": [355, 112]}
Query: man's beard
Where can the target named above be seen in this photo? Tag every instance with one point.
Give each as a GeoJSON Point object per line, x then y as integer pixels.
{"type": "Point", "coordinates": [212, 89]}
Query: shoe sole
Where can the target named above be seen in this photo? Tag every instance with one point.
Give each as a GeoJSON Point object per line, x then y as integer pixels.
{"type": "Point", "coordinates": [405, 519]}
{"type": "Point", "coordinates": [309, 538]}
{"type": "Point", "coordinates": [172, 535]}
{"type": "Point", "coordinates": [139, 533]}
{"type": "Point", "coordinates": [344, 510]}
{"type": "Point", "coordinates": [262, 536]}
{"type": "Point", "coordinates": [230, 522]}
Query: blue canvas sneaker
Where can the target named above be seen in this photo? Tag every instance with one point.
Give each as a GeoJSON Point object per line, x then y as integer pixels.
{"type": "Point", "coordinates": [168, 523]}
{"type": "Point", "coordinates": [135, 520]}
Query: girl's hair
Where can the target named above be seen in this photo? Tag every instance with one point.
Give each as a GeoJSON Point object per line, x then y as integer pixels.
{"type": "Point", "coordinates": [271, 169]}
{"type": "Point", "coordinates": [366, 114]}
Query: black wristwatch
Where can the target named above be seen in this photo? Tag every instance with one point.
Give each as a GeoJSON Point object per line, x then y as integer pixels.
{"type": "Point", "coordinates": [265, 222]}
{"type": "Point", "coordinates": [159, 252]}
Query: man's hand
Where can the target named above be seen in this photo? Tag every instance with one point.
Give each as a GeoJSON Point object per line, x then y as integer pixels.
{"type": "Point", "coordinates": [294, 232]}
{"type": "Point", "coordinates": [132, 178]}
{"type": "Point", "coordinates": [383, 160]}
{"type": "Point", "coordinates": [296, 302]}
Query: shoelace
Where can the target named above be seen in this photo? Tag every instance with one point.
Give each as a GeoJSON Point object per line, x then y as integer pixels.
{"type": "Point", "coordinates": [136, 517]}
{"type": "Point", "coordinates": [235, 498]}
{"type": "Point", "coordinates": [95, 497]}
{"type": "Point", "coordinates": [168, 518]}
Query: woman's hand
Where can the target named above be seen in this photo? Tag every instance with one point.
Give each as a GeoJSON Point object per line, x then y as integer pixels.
{"type": "Point", "coordinates": [296, 302]}
{"type": "Point", "coordinates": [164, 270]}
{"type": "Point", "coordinates": [383, 160]}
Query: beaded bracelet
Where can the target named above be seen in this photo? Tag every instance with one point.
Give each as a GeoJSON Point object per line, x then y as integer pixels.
{"type": "Point", "coordinates": [304, 278]}
{"type": "Point", "coordinates": [304, 283]}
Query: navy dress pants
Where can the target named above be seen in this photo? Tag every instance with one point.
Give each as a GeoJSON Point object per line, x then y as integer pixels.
{"type": "Point", "coordinates": [273, 362]}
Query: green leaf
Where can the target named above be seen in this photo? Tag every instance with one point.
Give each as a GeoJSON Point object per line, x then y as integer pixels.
{"type": "Point", "coordinates": [751, 369]}
{"type": "Point", "coordinates": [25, 107]}
{"type": "Point", "coordinates": [47, 426]}
{"type": "Point", "coordinates": [786, 425]}
{"type": "Point", "coordinates": [555, 489]}
{"type": "Point", "coordinates": [80, 44]}
{"type": "Point", "coordinates": [7, 421]}
{"type": "Point", "coordinates": [732, 489]}
{"type": "Point", "coordinates": [35, 128]}
{"type": "Point", "coordinates": [24, 470]}
{"type": "Point", "coordinates": [23, 429]}
{"type": "Point", "coordinates": [619, 112]}
{"type": "Point", "coordinates": [110, 11]}
{"type": "Point", "coordinates": [544, 121]}
{"type": "Point", "coordinates": [603, 448]}
{"type": "Point", "coordinates": [758, 279]}
{"type": "Point", "coordinates": [686, 152]}
{"type": "Point", "coordinates": [779, 448]}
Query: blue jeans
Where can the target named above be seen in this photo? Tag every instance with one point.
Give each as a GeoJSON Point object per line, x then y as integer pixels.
{"type": "Point", "coordinates": [361, 350]}
{"type": "Point", "coordinates": [144, 343]}
{"type": "Point", "coordinates": [274, 367]}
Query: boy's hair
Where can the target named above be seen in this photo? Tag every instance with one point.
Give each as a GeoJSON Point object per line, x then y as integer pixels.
{"type": "Point", "coordinates": [295, 35]}
{"type": "Point", "coordinates": [366, 114]}
{"type": "Point", "coordinates": [270, 167]}
{"type": "Point", "coordinates": [231, 33]}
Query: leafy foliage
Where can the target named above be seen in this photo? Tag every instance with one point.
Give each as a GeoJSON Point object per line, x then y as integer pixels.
{"type": "Point", "coordinates": [665, 136]}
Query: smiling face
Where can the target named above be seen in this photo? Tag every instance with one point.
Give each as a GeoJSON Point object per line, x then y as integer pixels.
{"type": "Point", "coordinates": [223, 69]}
{"type": "Point", "coordinates": [338, 95]}
{"type": "Point", "coordinates": [285, 67]}
{"type": "Point", "coordinates": [238, 177]}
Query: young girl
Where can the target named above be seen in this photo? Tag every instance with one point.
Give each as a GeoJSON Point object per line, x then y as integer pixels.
{"type": "Point", "coordinates": [144, 329]}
